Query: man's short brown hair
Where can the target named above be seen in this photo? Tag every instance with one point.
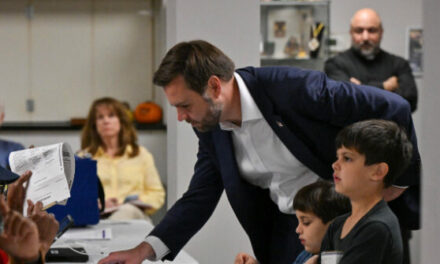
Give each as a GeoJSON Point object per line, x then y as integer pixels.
{"type": "Point", "coordinates": [196, 61]}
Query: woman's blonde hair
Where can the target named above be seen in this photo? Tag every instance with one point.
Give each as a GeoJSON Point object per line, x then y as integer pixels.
{"type": "Point", "coordinates": [90, 139]}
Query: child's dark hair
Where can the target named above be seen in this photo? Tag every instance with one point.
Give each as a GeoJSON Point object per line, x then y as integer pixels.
{"type": "Point", "coordinates": [380, 141]}
{"type": "Point", "coordinates": [321, 199]}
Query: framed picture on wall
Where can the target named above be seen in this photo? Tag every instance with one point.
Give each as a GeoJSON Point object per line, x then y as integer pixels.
{"type": "Point", "coordinates": [415, 50]}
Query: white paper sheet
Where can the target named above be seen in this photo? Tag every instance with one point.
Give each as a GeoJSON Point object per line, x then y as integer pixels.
{"type": "Point", "coordinates": [53, 169]}
{"type": "Point", "coordinates": [88, 234]}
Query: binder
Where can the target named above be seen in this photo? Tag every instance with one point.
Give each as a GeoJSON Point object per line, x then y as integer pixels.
{"type": "Point", "coordinates": [83, 202]}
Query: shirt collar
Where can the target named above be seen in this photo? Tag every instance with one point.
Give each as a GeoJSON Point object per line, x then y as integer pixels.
{"type": "Point", "coordinates": [100, 152]}
{"type": "Point", "coordinates": [249, 109]}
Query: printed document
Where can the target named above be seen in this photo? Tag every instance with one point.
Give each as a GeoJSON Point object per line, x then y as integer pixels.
{"type": "Point", "coordinates": [89, 234]}
{"type": "Point", "coordinates": [53, 169]}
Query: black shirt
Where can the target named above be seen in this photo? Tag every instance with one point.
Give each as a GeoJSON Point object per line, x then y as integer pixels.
{"type": "Point", "coordinates": [375, 239]}
{"type": "Point", "coordinates": [374, 72]}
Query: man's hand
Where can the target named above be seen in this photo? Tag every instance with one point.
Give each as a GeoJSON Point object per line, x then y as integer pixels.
{"type": "Point", "coordinates": [20, 236]}
{"type": "Point", "coordinates": [355, 81]}
{"type": "Point", "coordinates": [391, 84]}
{"type": "Point", "coordinates": [46, 223]}
{"type": "Point", "coordinates": [243, 258]}
{"type": "Point", "coordinates": [17, 192]}
{"type": "Point", "coordinates": [312, 260]}
{"type": "Point", "coordinates": [132, 256]}
{"type": "Point", "coordinates": [392, 193]}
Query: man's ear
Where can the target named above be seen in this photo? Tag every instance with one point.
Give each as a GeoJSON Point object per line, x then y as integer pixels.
{"type": "Point", "coordinates": [380, 171]}
{"type": "Point", "coordinates": [214, 86]}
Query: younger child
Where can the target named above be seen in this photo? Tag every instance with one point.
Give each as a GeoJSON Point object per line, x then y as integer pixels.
{"type": "Point", "coordinates": [315, 205]}
{"type": "Point", "coordinates": [370, 156]}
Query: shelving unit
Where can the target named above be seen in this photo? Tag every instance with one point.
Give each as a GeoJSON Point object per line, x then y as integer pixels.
{"type": "Point", "coordinates": [294, 33]}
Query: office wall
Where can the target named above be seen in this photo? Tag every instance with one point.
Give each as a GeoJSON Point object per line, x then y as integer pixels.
{"type": "Point", "coordinates": [63, 54]}
{"type": "Point", "coordinates": [430, 142]}
{"type": "Point", "coordinates": [234, 27]}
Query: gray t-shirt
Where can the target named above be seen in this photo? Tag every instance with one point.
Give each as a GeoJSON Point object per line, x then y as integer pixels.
{"type": "Point", "coordinates": [374, 239]}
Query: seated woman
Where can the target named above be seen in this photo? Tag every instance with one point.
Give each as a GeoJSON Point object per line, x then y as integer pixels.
{"type": "Point", "coordinates": [130, 179]}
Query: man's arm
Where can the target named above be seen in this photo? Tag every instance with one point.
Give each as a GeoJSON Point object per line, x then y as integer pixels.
{"type": "Point", "coordinates": [391, 84]}
{"type": "Point", "coordinates": [132, 256]}
{"type": "Point", "coordinates": [335, 71]}
{"type": "Point", "coordinates": [336, 104]}
{"type": "Point", "coordinates": [407, 85]}
{"type": "Point", "coordinates": [187, 215]}
{"type": "Point", "coordinates": [351, 104]}
{"type": "Point", "coordinates": [340, 104]}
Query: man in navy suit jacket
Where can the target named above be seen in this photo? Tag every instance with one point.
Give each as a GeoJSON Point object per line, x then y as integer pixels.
{"type": "Point", "coordinates": [261, 131]}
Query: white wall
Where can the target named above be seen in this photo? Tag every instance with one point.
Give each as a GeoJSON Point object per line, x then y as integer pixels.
{"type": "Point", "coordinates": [430, 142]}
{"type": "Point", "coordinates": [70, 52]}
{"type": "Point", "coordinates": [232, 26]}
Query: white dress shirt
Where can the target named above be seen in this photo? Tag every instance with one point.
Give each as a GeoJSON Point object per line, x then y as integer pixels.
{"type": "Point", "coordinates": [262, 159]}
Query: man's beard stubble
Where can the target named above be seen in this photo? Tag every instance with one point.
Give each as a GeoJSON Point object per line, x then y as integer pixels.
{"type": "Point", "coordinates": [368, 53]}
{"type": "Point", "coordinates": [212, 118]}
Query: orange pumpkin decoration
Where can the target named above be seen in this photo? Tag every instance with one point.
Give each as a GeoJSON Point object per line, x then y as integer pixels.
{"type": "Point", "coordinates": [148, 112]}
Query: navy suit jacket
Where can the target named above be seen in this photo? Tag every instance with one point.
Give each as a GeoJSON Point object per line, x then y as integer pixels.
{"type": "Point", "coordinates": [306, 110]}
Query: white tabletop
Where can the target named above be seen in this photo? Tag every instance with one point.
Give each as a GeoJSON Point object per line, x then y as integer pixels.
{"type": "Point", "coordinates": [125, 235]}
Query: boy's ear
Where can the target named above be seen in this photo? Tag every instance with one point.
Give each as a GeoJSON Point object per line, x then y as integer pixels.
{"type": "Point", "coordinates": [380, 172]}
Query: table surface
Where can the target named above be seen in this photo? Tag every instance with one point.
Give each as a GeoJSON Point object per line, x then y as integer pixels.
{"type": "Point", "coordinates": [125, 235]}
